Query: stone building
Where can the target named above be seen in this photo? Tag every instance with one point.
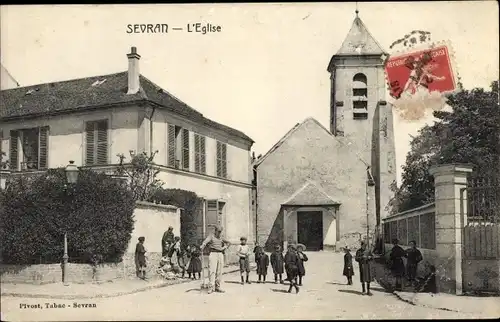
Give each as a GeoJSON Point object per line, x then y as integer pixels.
{"type": "Point", "coordinates": [314, 186]}
{"type": "Point", "coordinates": [91, 120]}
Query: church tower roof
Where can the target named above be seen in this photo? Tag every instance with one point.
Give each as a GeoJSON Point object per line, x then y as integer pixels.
{"type": "Point", "coordinates": [359, 41]}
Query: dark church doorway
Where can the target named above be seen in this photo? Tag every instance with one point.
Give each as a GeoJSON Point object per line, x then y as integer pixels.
{"type": "Point", "coordinates": [310, 229]}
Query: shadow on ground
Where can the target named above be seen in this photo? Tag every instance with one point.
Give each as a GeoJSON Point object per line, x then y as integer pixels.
{"type": "Point", "coordinates": [279, 291]}
{"type": "Point", "coordinates": [351, 292]}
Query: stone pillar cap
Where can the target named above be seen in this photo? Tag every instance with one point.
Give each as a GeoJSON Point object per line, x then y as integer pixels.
{"type": "Point", "coordinates": [451, 168]}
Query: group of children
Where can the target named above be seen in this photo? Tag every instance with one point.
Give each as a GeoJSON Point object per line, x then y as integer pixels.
{"type": "Point", "coordinates": [181, 261]}
{"type": "Point", "coordinates": [292, 262]}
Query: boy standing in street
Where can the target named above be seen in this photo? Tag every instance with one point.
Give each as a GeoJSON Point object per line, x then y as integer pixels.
{"type": "Point", "coordinates": [414, 256]}
{"type": "Point", "coordinates": [262, 265]}
{"type": "Point", "coordinates": [244, 255]}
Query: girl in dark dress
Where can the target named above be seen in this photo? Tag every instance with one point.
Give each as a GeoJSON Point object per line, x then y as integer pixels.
{"type": "Point", "coordinates": [262, 265]}
{"type": "Point", "coordinates": [195, 262]}
{"type": "Point", "coordinates": [397, 264]}
{"type": "Point", "coordinates": [302, 258]}
{"type": "Point", "coordinates": [291, 267]}
{"type": "Point", "coordinates": [140, 258]}
{"type": "Point", "coordinates": [277, 262]}
{"type": "Point", "coordinates": [348, 268]}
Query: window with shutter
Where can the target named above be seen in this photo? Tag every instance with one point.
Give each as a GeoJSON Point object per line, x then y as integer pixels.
{"type": "Point", "coordinates": [196, 153]}
{"type": "Point", "coordinates": [13, 150]}
{"type": "Point", "coordinates": [199, 154]}
{"type": "Point", "coordinates": [96, 149]}
{"type": "Point", "coordinates": [185, 149]}
{"type": "Point", "coordinates": [203, 168]}
{"type": "Point", "coordinates": [102, 142]}
{"type": "Point", "coordinates": [43, 138]}
{"type": "Point", "coordinates": [221, 159]}
{"type": "Point", "coordinates": [171, 145]}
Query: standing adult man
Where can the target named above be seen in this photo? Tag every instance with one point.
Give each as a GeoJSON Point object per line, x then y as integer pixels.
{"type": "Point", "coordinates": [167, 241]}
{"type": "Point", "coordinates": [217, 246]}
{"type": "Point", "coordinates": [364, 257]}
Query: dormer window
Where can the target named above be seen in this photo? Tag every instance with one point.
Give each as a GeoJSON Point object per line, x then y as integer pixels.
{"type": "Point", "coordinates": [360, 97]}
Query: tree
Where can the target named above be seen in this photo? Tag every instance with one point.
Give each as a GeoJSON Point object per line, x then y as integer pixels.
{"type": "Point", "coordinates": [141, 173]}
{"type": "Point", "coordinates": [468, 134]}
{"type": "Point", "coordinates": [191, 206]}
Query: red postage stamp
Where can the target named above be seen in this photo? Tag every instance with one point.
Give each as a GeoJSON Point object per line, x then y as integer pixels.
{"type": "Point", "coordinates": [421, 72]}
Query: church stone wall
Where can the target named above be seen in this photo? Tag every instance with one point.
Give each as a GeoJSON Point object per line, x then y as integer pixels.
{"type": "Point", "coordinates": [311, 153]}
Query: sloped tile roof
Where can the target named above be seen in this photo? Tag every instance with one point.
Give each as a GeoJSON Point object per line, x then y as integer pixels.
{"type": "Point", "coordinates": [359, 36]}
{"type": "Point", "coordinates": [310, 195]}
{"type": "Point", "coordinates": [95, 92]}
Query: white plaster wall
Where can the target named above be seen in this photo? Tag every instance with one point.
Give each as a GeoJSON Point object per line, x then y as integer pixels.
{"type": "Point", "coordinates": [151, 222]}
{"type": "Point", "coordinates": [67, 134]}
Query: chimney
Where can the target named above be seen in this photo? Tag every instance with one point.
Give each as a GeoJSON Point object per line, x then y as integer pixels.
{"type": "Point", "coordinates": [133, 71]}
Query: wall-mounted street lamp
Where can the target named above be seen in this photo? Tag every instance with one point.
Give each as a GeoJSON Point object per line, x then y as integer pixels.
{"type": "Point", "coordinates": [71, 177]}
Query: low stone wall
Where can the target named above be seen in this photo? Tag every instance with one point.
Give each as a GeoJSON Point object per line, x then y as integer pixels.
{"type": "Point", "coordinates": [52, 273]}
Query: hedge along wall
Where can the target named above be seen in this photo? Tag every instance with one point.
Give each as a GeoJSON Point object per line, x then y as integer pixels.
{"type": "Point", "coordinates": [191, 212]}
{"type": "Point", "coordinates": [96, 213]}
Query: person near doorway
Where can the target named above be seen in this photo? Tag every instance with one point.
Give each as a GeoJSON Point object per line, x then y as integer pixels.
{"type": "Point", "coordinates": [277, 263]}
{"type": "Point", "coordinates": [166, 241]}
{"type": "Point", "coordinates": [397, 264]}
{"type": "Point", "coordinates": [413, 257]}
{"type": "Point", "coordinates": [194, 266]}
{"type": "Point", "coordinates": [262, 265]}
{"type": "Point", "coordinates": [140, 258]}
{"type": "Point", "coordinates": [244, 256]}
{"type": "Point", "coordinates": [302, 258]}
{"type": "Point", "coordinates": [364, 257]}
{"type": "Point", "coordinates": [348, 268]}
{"type": "Point", "coordinates": [217, 246]}
{"type": "Point", "coordinates": [292, 267]}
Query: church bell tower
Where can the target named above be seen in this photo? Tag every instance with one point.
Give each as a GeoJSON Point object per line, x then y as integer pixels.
{"type": "Point", "coordinates": [360, 117]}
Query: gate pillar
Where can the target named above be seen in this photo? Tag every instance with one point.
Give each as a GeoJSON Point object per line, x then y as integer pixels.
{"type": "Point", "coordinates": [449, 179]}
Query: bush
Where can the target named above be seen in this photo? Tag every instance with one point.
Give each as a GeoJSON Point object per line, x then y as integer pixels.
{"type": "Point", "coordinates": [192, 206]}
{"type": "Point", "coordinates": [96, 213]}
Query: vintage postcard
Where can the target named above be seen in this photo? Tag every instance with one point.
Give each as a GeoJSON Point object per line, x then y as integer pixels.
{"type": "Point", "coordinates": [250, 161]}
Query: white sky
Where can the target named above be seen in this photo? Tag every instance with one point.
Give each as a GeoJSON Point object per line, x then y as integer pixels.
{"type": "Point", "coordinates": [262, 74]}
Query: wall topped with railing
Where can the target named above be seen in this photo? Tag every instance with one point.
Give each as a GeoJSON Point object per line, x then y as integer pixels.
{"type": "Point", "coordinates": [417, 225]}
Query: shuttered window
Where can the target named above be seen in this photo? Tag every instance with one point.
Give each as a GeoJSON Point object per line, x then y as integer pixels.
{"type": "Point", "coordinates": [13, 151]}
{"type": "Point", "coordinates": [199, 154]}
{"type": "Point", "coordinates": [221, 159]}
{"type": "Point", "coordinates": [185, 149]}
{"type": "Point", "coordinates": [96, 150]}
{"type": "Point", "coordinates": [171, 145]}
{"type": "Point", "coordinates": [43, 144]}
{"type": "Point", "coordinates": [34, 149]}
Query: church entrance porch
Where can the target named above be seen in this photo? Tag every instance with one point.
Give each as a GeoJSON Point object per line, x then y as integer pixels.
{"type": "Point", "coordinates": [310, 229]}
{"type": "Point", "coordinates": [313, 226]}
